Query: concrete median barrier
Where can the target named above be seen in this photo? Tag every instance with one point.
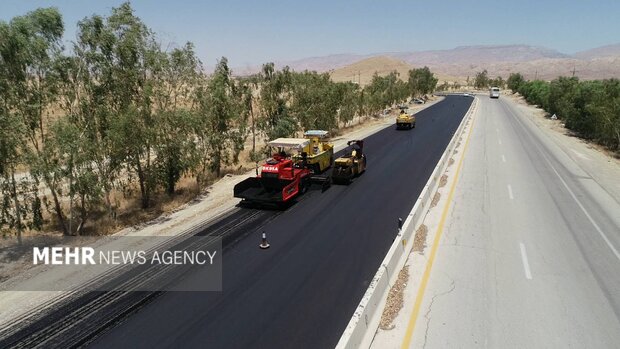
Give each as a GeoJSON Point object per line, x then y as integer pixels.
{"type": "Point", "coordinates": [365, 320]}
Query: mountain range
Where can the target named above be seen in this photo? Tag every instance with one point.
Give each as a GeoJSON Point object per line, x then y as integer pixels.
{"type": "Point", "coordinates": [465, 61]}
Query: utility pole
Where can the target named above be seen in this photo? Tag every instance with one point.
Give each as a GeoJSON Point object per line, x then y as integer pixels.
{"type": "Point", "coordinates": [574, 70]}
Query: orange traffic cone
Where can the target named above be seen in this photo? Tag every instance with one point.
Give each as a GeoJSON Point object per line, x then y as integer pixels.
{"type": "Point", "coordinates": [264, 244]}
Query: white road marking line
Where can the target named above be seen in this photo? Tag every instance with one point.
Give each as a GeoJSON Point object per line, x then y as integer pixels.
{"type": "Point", "coordinates": [580, 155]}
{"type": "Point", "coordinates": [503, 158]}
{"type": "Point", "coordinates": [500, 141]}
{"type": "Point", "coordinates": [510, 192]}
{"type": "Point", "coordinates": [526, 264]}
{"type": "Point", "coordinates": [600, 231]}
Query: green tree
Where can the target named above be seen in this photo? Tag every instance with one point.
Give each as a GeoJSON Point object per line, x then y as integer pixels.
{"type": "Point", "coordinates": [497, 82]}
{"type": "Point", "coordinates": [133, 51]}
{"type": "Point", "coordinates": [514, 82]}
{"type": "Point", "coordinates": [601, 104]}
{"type": "Point", "coordinates": [315, 101]}
{"type": "Point", "coordinates": [13, 210]}
{"type": "Point", "coordinates": [393, 89]}
{"type": "Point", "coordinates": [421, 81]}
{"type": "Point", "coordinates": [89, 93]}
{"type": "Point", "coordinates": [275, 87]}
{"type": "Point", "coordinates": [348, 97]}
{"type": "Point", "coordinates": [248, 87]}
{"type": "Point", "coordinates": [481, 80]}
{"type": "Point", "coordinates": [29, 47]}
{"type": "Point", "coordinates": [68, 149]}
{"type": "Point", "coordinates": [225, 118]}
{"type": "Point", "coordinates": [384, 91]}
{"type": "Point", "coordinates": [375, 93]}
{"type": "Point", "coordinates": [174, 79]}
{"type": "Point", "coordinates": [445, 86]}
{"type": "Point", "coordinates": [11, 136]}
{"type": "Point", "coordinates": [536, 92]}
{"type": "Point", "coordinates": [562, 95]}
{"type": "Point", "coordinates": [590, 108]}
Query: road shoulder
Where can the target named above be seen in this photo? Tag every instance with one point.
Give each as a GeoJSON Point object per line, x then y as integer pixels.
{"type": "Point", "coordinates": [419, 258]}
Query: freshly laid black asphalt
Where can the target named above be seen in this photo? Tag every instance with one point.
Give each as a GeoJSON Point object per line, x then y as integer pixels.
{"type": "Point", "coordinates": [324, 251]}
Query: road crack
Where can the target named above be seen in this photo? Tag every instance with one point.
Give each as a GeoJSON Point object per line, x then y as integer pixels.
{"type": "Point", "coordinates": [427, 316]}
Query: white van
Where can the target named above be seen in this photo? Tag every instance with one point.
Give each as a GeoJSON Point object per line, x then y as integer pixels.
{"type": "Point", "coordinates": [494, 92]}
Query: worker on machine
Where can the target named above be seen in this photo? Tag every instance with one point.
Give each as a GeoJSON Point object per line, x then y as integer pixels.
{"type": "Point", "coordinates": [356, 149]}
{"type": "Point", "coordinates": [281, 155]}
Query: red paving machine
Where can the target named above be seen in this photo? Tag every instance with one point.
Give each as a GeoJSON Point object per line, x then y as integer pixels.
{"type": "Point", "coordinates": [282, 177]}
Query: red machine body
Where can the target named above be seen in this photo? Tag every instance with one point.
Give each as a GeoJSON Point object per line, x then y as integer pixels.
{"type": "Point", "coordinates": [281, 178]}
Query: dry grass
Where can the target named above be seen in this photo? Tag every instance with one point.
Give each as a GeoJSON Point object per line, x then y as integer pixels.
{"type": "Point", "coordinates": [395, 300]}
{"type": "Point", "coordinates": [131, 214]}
{"type": "Point", "coordinates": [419, 241]}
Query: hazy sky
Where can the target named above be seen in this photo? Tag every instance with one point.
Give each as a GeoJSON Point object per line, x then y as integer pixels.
{"type": "Point", "coordinates": [252, 32]}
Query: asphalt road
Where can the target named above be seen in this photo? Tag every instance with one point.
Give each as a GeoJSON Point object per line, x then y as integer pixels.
{"type": "Point", "coordinates": [302, 291]}
{"type": "Point", "coordinates": [529, 256]}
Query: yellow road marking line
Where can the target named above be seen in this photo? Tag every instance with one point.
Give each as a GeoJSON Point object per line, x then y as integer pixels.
{"type": "Point", "coordinates": [431, 259]}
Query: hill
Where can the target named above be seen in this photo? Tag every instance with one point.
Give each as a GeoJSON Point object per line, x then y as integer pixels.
{"type": "Point", "coordinates": [363, 70]}
{"type": "Point", "coordinates": [600, 52]}
{"type": "Point", "coordinates": [458, 63]}
{"type": "Point", "coordinates": [480, 54]}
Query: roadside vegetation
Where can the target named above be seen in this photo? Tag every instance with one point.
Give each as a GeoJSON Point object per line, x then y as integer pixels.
{"type": "Point", "coordinates": [482, 81]}
{"type": "Point", "coordinates": [108, 127]}
{"type": "Point", "coordinates": [589, 108]}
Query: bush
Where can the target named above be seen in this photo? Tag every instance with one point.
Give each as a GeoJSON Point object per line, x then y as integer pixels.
{"type": "Point", "coordinates": [514, 82]}
{"type": "Point", "coordinates": [590, 108]}
{"type": "Point", "coordinates": [536, 92]}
